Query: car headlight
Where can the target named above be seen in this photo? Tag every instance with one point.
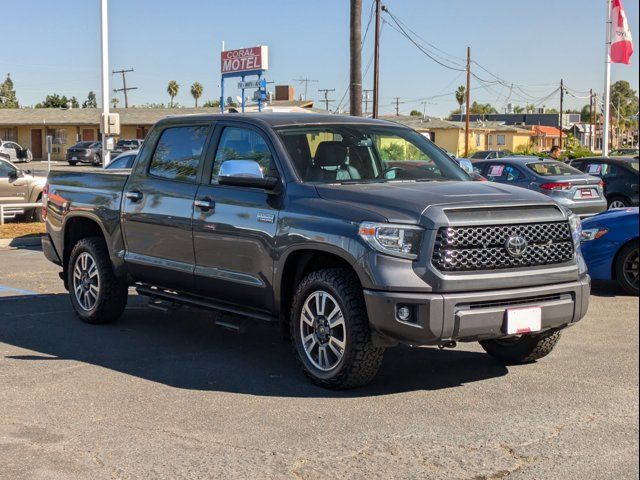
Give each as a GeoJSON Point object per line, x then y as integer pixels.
{"type": "Point", "coordinates": [590, 234]}
{"type": "Point", "coordinates": [576, 229]}
{"type": "Point", "coordinates": [393, 239]}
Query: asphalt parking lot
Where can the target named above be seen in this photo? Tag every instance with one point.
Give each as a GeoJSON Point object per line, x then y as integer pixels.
{"type": "Point", "coordinates": [169, 395]}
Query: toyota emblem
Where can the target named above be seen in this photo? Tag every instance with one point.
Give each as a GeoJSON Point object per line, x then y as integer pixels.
{"type": "Point", "coordinates": [516, 245]}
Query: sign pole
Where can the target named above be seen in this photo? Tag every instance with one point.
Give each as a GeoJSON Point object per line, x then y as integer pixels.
{"type": "Point", "coordinates": [607, 81]}
{"type": "Point", "coordinates": [104, 41]}
{"type": "Point", "coordinates": [260, 93]}
{"type": "Point", "coordinates": [242, 90]}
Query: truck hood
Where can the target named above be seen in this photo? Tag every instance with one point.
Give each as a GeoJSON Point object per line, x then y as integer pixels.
{"type": "Point", "coordinates": [409, 202]}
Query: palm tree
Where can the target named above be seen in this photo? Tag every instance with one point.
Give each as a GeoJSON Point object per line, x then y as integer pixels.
{"type": "Point", "coordinates": [196, 91]}
{"type": "Point", "coordinates": [115, 102]}
{"type": "Point", "coordinates": [172, 90]}
{"type": "Point", "coordinates": [461, 96]}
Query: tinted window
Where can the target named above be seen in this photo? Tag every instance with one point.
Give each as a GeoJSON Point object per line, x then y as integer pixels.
{"type": "Point", "coordinates": [479, 155]}
{"type": "Point", "coordinates": [125, 161]}
{"type": "Point", "coordinates": [5, 168]}
{"type": "Point", "coordinates": [551, 169]}
{"type": "Point", "coordinates": [243, 144]}
{"type": "Point", "coordinates": [503, 173]}
{"type": "Point", "coordinates": [83, 145]}
{"type": "Point", "coordinates": [178, 152]}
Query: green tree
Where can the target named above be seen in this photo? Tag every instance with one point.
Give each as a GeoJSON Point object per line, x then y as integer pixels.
{"type": "Point", "coordinates": [416, 113]}
{"type": "Point", "coordinates": [57, 101]}
{"type": "Point", "coordinates": [91, 101]}
{"type": "Point", "coordinates": [482, 108]}
{"type": "Point", "coordinates": [461, 96]}
{"type": "Point", "coordinates": [518, 109]}
{"type": "Point", "coordinates": [172, 90]}
{"type": "Point", "coordinates": [115, 102]}
{"type": "Point", "coordinates": [8, 97]}
{"type": "Point", "coordinates": [212, 104]}
{"type": "Point", "coordinates": [196, 91]}
{"type": "Point", "coordinates": [585, 114]}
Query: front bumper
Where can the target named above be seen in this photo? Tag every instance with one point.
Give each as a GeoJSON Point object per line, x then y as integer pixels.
{"type": "Point", "coordinates": [439, 318]}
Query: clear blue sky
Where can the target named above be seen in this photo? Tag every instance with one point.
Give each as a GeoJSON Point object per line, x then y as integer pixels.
{"type": "Point", "coordinates": [56, 49]}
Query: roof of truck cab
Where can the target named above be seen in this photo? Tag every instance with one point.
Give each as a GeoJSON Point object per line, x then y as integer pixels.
{"type": "Point", "coordinates": [281, 119]}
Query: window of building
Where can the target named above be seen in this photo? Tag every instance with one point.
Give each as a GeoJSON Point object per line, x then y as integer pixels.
{"type": "Point", "coordinates": [9, 134]}
{"type": "Point", "coordinates": [58, 135]}
{"type": "Point", "coordinates": [478, 143]}
{"type": "Point", "coordinates": [178, 153]}
{"type": "Point", "coordinates": [490, 140]}
{"type": "Point", "coordinates": [502, 140]}
{"type": "Point", "coordinates": [242, 144]}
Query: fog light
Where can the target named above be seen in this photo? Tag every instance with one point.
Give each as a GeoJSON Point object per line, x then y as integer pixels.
{"type": "Point", "coordinates": [404, 314]}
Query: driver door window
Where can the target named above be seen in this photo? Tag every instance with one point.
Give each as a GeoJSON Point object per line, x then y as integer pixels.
{"type": "Point", "coordinates": [242, 144]}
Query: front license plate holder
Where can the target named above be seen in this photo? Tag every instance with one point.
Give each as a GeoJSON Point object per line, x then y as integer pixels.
{"type": "Point", "coordinates": [523, 320]}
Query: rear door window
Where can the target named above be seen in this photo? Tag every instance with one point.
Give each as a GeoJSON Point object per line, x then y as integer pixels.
{"type": "Point", "coordinates": [179, 152]}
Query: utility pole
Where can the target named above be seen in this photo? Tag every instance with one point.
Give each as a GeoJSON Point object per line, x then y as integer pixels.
{"type": "Point", "coordinates": [306, 82]}
{"type": "Point", "coordinates": [376, 61]}
{"type": "Point", "coordinates": [468, 99]}
{"type": "Point", "coordinates": [366, 93]}
{"type": "Point", "coordinates": [104, 44]}
{"type": "Point", "coordinates": [326, 96]}
{"type": "Point", "coordinates": [396, 100]}
{"type": "Point", "coordinates": [561, 105]}
{"type": "Point", "coordinates": [591, 119]}
{"type": "Point", "coordinates": [124, 85]}
{"type": "Point", "coordinates": [355, 40]}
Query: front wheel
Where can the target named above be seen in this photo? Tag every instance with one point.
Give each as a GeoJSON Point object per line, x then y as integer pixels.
{"type": "Point", "coordinates": [523, 349]}
{"type": "Point", "coordinates": [618, 202]}
{"type": "Point", "coordinates": [97, 295]}
{"type": "Point", "coordinates": [627, 268]}
{"type": "Point", "coordinates": [330, 330]}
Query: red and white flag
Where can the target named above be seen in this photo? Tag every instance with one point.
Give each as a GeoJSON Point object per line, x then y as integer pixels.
{"type": "Point", "coordinates": [620, 35]}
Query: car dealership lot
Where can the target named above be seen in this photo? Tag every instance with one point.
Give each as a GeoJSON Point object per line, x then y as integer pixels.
{"type": "Point", "coordinates": [169, 395]}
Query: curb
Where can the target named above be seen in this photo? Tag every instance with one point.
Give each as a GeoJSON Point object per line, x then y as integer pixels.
{"type": "Point", "coordinates": [20, 242]}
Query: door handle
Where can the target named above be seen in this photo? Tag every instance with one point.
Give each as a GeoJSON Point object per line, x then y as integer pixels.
{"type": "Point", "coordinates": [205, 204]}
{"type": "Point", "coordinates": [134, 195]}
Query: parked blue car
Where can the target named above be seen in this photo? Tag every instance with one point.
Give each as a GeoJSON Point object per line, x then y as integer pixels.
{"type": "Point", "coordinates": [610, 247]}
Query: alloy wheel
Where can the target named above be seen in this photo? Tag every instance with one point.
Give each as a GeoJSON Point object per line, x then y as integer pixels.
{"type": "Point", "coordinates": [323, 330]}
{"type": "Point", "coordinates": [630, 268]}
{"type": "Point", "coordinates": [86, 281]}
{"type": "Point", "coordinates": [616, 204]}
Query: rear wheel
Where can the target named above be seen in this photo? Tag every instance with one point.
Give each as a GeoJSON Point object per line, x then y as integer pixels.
{"type": "Point", "coordinates": [618, 202]}
{"type": "Point", "coordinates": [97, 295]}
{"type": "Point", "coordinates": [627, 268]}
{"type": "Point", "coordinates": [523, 349]}
{"type": "Point", "coordinates": [73, 164]}
{"type": "Point", "coordinates": [330, 330]}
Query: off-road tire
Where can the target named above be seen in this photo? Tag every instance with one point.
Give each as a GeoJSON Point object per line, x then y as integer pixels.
{"type": "Point", "coordinates": [621, 258]}
{"type": "Point", "coordinates": [362, 359]}
{"type": "Point", "coordinates": [113, 292]}
{"type": "Point", "coordinates": [526, 349]}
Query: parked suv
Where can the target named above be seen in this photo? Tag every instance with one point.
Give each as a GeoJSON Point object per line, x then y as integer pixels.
{"type": "Point", "coordinates": [125, 144]}
{"type": "Point", "coordinates": [320, 224]}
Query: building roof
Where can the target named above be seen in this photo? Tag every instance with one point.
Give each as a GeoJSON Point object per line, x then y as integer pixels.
{"type": "Point", "coordinates": [426, 123]}
{"type": "Point", "coordinates": [546, 131]}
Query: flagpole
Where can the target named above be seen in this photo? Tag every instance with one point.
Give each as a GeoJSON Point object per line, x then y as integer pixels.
{"type": "Point", "coordinates": [607, 81]}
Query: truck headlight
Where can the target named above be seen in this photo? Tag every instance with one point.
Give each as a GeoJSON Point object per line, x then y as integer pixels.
{"type": "Point", "coordinates": [393, 239]}
{"type": "Point", "coordinates": [576, 229]}
{"type": "Point", "coordinates": [590, 234]}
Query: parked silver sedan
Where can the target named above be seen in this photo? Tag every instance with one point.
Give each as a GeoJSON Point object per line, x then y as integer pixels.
{"type": "Point", "coordinates": [581, 193]}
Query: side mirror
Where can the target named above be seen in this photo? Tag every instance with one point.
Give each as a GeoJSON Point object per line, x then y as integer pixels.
{"type": "Point", "coordinates": [245, 173]}
{"type": "Point", "coordinates": [466, 165]}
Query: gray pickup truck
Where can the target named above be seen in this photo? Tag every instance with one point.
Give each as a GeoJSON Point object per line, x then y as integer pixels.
{"type": "Point", "coordinates": [352, 234]}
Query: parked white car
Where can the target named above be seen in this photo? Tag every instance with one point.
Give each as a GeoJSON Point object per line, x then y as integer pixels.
{"type": "Point", "coordinates": [14, 152]}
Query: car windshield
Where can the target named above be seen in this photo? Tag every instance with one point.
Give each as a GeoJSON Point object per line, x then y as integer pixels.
{"type": "Point", "coordinates": [366, 154]}
{"type": "Point", "coordinates": [83, 144]}
{"type": "Point", "coordinates": [479, 155]}
{"type": "Point", "coordinates": [553, 169]}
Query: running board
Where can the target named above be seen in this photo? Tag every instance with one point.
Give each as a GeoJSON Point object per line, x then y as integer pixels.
{"type": "Point", "coordinates": [192, 301]}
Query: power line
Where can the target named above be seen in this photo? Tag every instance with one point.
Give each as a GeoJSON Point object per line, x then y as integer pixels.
{"type": "Point", "coordinates": [306, 82]}
{"type": "Point", "coordinates": [326, 99]}
{"type": "Point", "coordinates": [124, 88]}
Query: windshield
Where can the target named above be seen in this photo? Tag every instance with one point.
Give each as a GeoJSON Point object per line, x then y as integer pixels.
{"type": "Point", "coordinates": [479, 155]}
{"type": "Point", "coordinates": [366, 154]}
{"type": "Point", "coordinates": [83, 144]}
{"type": "Point", "coordinates": [553, 169]}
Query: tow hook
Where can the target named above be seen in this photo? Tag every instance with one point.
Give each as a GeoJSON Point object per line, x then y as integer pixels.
{"type": "Point", "coordinates": [451, 344]}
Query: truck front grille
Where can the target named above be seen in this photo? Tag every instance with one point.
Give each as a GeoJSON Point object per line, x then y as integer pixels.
{"type": "Point", "coordinates": [459, 249]}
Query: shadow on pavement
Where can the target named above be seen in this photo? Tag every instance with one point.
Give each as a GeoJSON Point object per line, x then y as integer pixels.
{"type": "Point", "coordinates": [184, 349]}
{"type": "Point", "coordinates": [607, 289]}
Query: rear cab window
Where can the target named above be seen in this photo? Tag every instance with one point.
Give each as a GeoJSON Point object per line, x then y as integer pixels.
{"type": "Point", "coordinates": [178, 153]}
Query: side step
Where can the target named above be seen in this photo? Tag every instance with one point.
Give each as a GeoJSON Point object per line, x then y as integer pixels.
{"type": "Point", "coordinates": [157, 294]}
